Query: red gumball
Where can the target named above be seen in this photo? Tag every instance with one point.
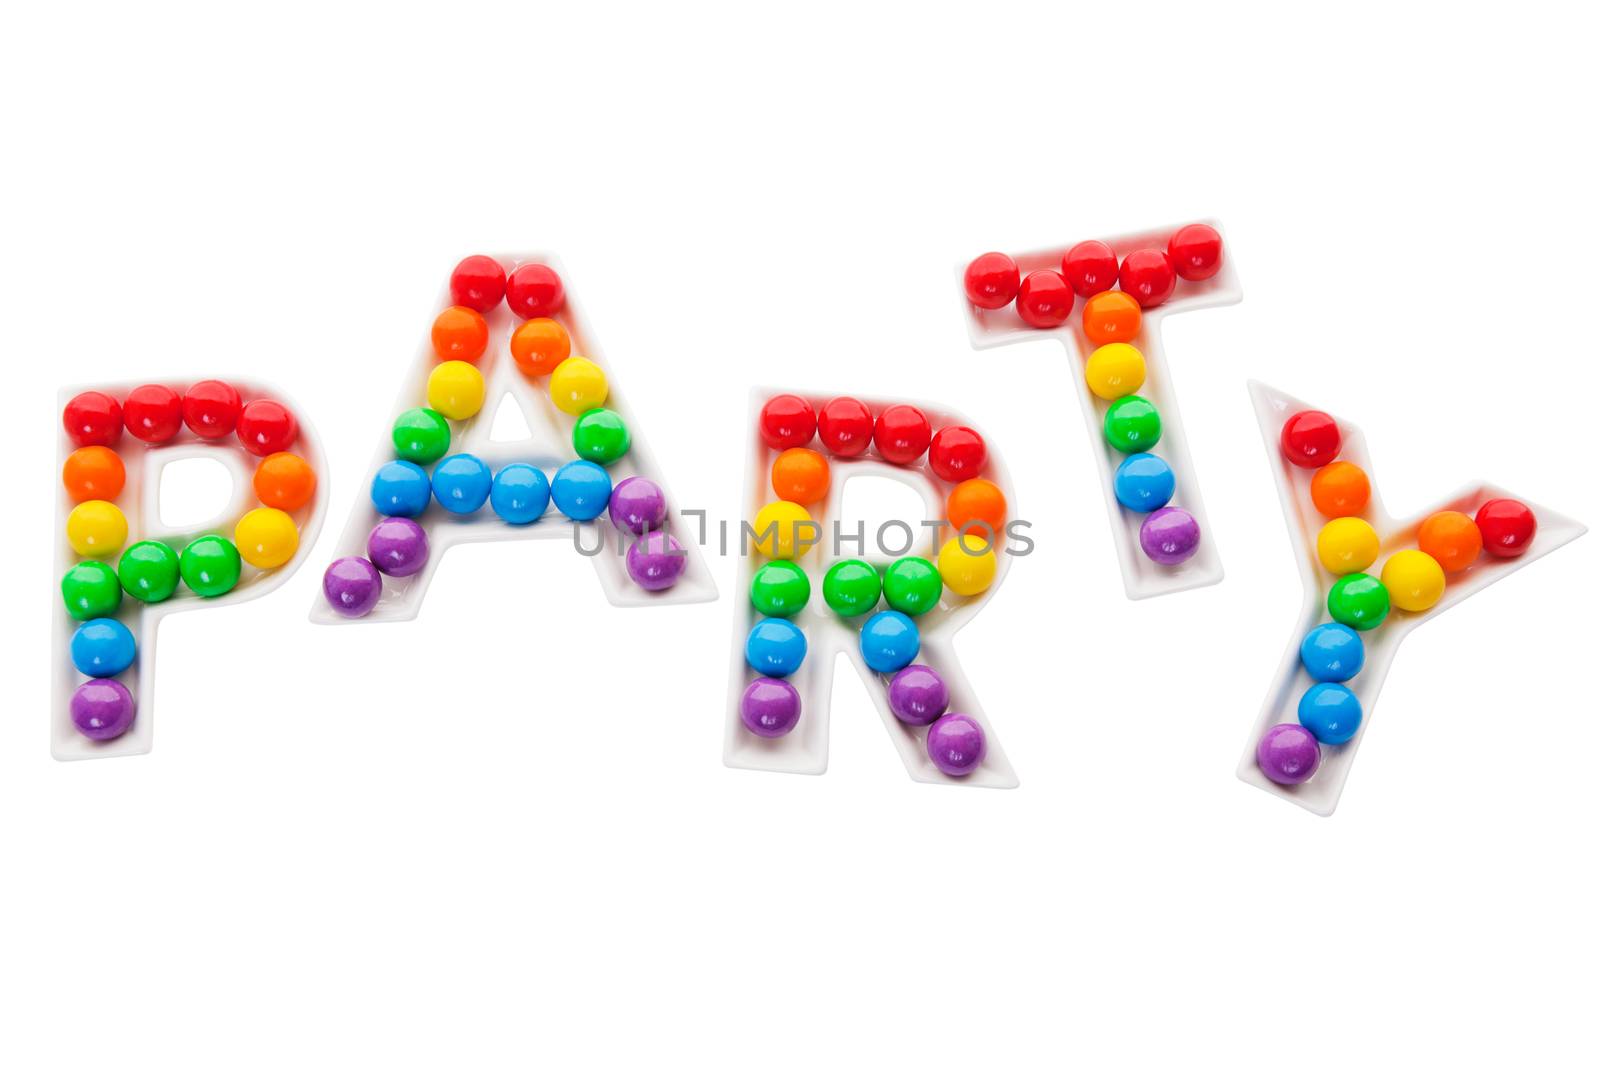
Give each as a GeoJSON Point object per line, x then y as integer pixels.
{"type": "Point", "coordinates": [957, 453]}
{"type": "Point", "coordinates": [1195, 252]}
{"type": "Point", "coordinates": [992, 280]}
{"type": "Point", "coordinates": [1147, 276]}
{"type": "Point", "coordinates": [153, 413]}
{"type": "Point", "coordinates": [479, 283]}
{"type": "Point", "coordinates": [93, 419]}
{"type": "Point", "coordinates": [266, 426]}
{"type": "Point", "coordinates": [534, 291]}
{"type": "Point", "coordinates": [787, 421]}
{"type": "Point", "coordinates": [1310, 439]}
{"type": "Point", "coordinates": [1045, 299]}
{"type": "Point", "coordinates": [845, 426]}
{"type": "Point", "coordinates": [211, 409]}
{"type": "Point", "coordinates": [902, 433]}
{"type": "Point", "coordinates": [1507, 526]}
{"type": "Point", "coordinates": [1090, 267]}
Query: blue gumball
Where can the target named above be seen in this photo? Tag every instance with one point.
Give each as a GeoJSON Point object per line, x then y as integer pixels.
{"type": "Point", "coordinates": [400, 488]}
{"type": "Point", "coordinates": [520, 493]}
{"type": "Point", "coordinates": [775, 648]}
{"type": "Point", "coordinates": [461, 483]}
{"type": "Point", "coordinates": [103, 647]}
{"type": "Point", "coordinates": [1331, 712]}
{"type": "Point", "coordinates": [1332, 653]}
{"type": "Point", "coordinates": [889, 641]}
{"type": "Point", "coordinates": [581, 490]}
{"type": "Point", "coordinates": [1144, 482]}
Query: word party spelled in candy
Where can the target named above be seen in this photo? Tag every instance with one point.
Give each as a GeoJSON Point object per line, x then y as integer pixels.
{"type": "Point", "coordinates": [814, 591]}
{"type": "Point", "coordinates": [1369, 579]}
{"type": "Point", "coordinates": [1128, 399]}
{"type": "Point", "coordinates": [123, 568]}
{"type": "Point", "coordinates": [507, 335]}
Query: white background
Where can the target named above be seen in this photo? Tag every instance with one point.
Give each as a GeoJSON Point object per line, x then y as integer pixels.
{"type": "Point", "coordinates": [445, 842]}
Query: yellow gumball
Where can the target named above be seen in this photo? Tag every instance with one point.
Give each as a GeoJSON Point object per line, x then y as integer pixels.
{"type": "Point", "coordinates": [1414, 579]}
{"type": "Point", "coordinates": [1114, 370]}
{"type": "Point", "coordinates": [97, 529]}
{"type": "Point", "coordinates": [577, 385]}
{"type": "Point", "coordinates": [455, 389]}
{"type": "Point", "coordinates": [782, 529]}
{"type": "Point", "coordinates": [1347, 545]}
{"type": "Point", "coordinates": [967, 565]}
{"type": "Point", "coordinates": [266, 538]}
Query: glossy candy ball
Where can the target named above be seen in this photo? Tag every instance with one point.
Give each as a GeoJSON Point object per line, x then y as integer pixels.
{"type": "Point", "coordinates": [103, 647]}
{"type": "Point", "coordinates": [421, 435]}
{"type": "Point", "coordinates": [1347, 545]}
{"type": "Point", "coordinates": [148, 571]}
{"type": "Point", "coordinates": [967, 565]}
{"type": "Point", "coordinates": [266, 538]}
{"type": "Point", "coordinates": [520, 493]}
{"type": "Point", "coordinates": [1132, 424]}
{"type": "Point", "coordinates": [210, 565]}
{"type": "Point", "coordinates": [787, 421]}
{"type": "Point", "coordinates": [456, 389]}
{"type": "Point", "coordinates": [1310, 439]}
{"type": "Point", "coordinates": [581, 490]}
{"type": "Point", "coordinates": [845, 426]}
{"type": "Point", "coordinates": [1507, 526]}
{"type": "Point", "coordinates": [1340, 490]}
{"type": "Point", "coordinates": [775, 648]}
{"type": "Point", "coordinates": [956, 745]}
{"type": "Point", "coordinates": [783, 530]}
{"type": "Point", "coordinates": [1147, 276]}
{"type": "Point", "coordinates": [770, 707]}
{"type": "Point", "coordinates": [97, 529]}
{"type": "Point", "coordinates": [779, 589]}
{"type": "Point", "coordinates": [577, 385]}
{"type": "Point", "coordinates": [401, 488]}
{"type": "Point", "coordinates": [460, 334]}
{"type": "Point", "coordinates": [800, 475]}
{"type": "Point", "coordinates": [461, 483]}
{"type": "Point", "coordinates": [917, 695]}
{"type": "Point", "coordinates": [92, 418]}
{"type": "Point", "coordinates": [957, 453]}
{"type": "Point", "coordinates": [1143, 482]}
{"type": "Point", "coordinates": [992, 280]}
{"type": "Point", "coordinates": [1331, 712]}
{"type": "Point", "coordinates": [1414, 579]}
{"type": "Point", "coordinates": [93, 472]}
{"type": "Point", "coordinates": [656, 561]}
{"type": "Point", "coordinates": [265, 427]}
{"type": "Point", "coordinates": [102, 709]}
{"type": "Point", "coordinates": [153, 413]}
{"type": "Point", "coordinates": [1044, 300]}
{"type": "Point", "coordinates": [90, 590]}
{"type": "Point", "coordinates": [912, 584]}
{"type": "Point", "coordinates": [211, 409]}
{"type": "Point", "coordinates": [285, 481]}
{"type": "Point", "coordinates": [352, 586]}
{"type": "Point", "coordinates": [889, 641]}
{"type": "Point", "coordinates": [539, 345]}
{"type": "Point", "coordinates": [1451, 538]}
{"type": "Point", "coordinates": [1169, 536]}
{"type": "Point", "coordinates": [479, 283]}
{"type": "Point", "coordinates": [1288, 754]}
{"type": "Point", "coordinates": [601, 435]}
{"type": "Point", "coordinates": [1195, 252]}
{"type": "Point", "coordinates": [851, 587]}
{"type": "Point", "coordinates": [637, 504]}
{"type": "Point", "coordinates": [902, 434]}
{"type": "Point", "coordinates": [535, 291]}
{"type": "Point", "coordinates": [976, 506]}
{"type": "Point", "coordinates": [1114, 370]}
{"type": "Point", "coordinates": [1090, 267]}
{"type": "Point", "coordinates": [1332, 652]}
{"type": "Point", "coordinates": [398, 547]}
{"type": "Point", "coordinates": [1111, 316]}
{"type": "Point", "coordinates": [1360, 601]}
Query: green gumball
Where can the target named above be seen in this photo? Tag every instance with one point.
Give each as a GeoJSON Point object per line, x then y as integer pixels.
{"type": "Point", "coordinates": [149, 571]}
{"type": "Point", "coordinates": [1132, 424]}
{"type": "Point", "coordinates": [601, 436]}
{"type": "Point", "coordinates": [912, 585]}
{"type": "Point", "coordinates": [421, 435]}
{"type": "Point", "coordinates": [780, 589]}
{"type": "Point", "coordinates": [210, 565]}
{"type": "Point", "coordinates": [90, 590]}
{"type": "Point", "coordinates": [1359, 601]}
{"type": "Point", "coordinates": [851, 587]}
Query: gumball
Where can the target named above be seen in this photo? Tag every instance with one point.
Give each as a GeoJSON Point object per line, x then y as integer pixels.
{"type": "Point", "coordinates": [265, 427]}
{"type": "Point", "coordinates": [1132, 424]}
{"type": "Point", "coordinates": [421, 435]}
{"type": "Point", "coordinates": [851, 587]}
{"type": "Point", "coordinates": [601, 435]}
{"type": "Point", "coordinates": [479, 283]}
{"type": "Point", "coordinates": [1044, 300]}
{"type": "Point", "coordinates": [209, 565]}
{"type": "Point", "coordinates": [266, 538]}
{"type": "Point", "coordinates": [845, 426]}
{"type": "Point", "coordinates": [1451, 538]}
{"type": "Point", "coordinates": [917, 695]}
{"type": "Point", "coordinates": [1340, 489]}
{"type": "Point", "coordinates": [148, 571]}
{"type": "Point", "coordinates": [581, 490]}
{"type": "Point", "coordinates": [991, 280]}
{"type": "Point", "coordinates": [93, 472]}
{"type": "Point", "coordinates": [352, 586]}
{"type": "Point", "coordinates": [1347, 545]}
{"type": "Point", "coordinates": [539, 345]}
{"type": "Point", "coordinates": [1310, 439]}
{"type": "Point", "coordinates": [956, 745]}
{"type": "Point", "coordinates": [401, 488]}
{"type": "Point", "coordinates": [787, 421]}
{"type": "Point", "coordinates": [912, 584]}
{"type": "Point", "coordinates": [456, 389]}
{"type": "Point", "coordinates": [1090, 267]}
{"type": "Point", "coordinates": [284, 481]}
{"type": "Point", "coordinates": [103, 647]}
{"type": "Point", "coordinates": [1359, 601]}
{"type": "Point", "coordinates": [638, 504]}
{"type": "Point", "coordinates": [1288, 754]}
{"type": "Point", "coordinates": [211, 409]}
{"type": "Point", "coordinates": [92, 419]}
{"type": "Point", "coordinates": [577, 385]}
{"type": "Point", "coordinates": [1507, 526]}
{"type": "Point", "coordinates": [459, 333]}
{"type": "Point", "coordinates": [461, 483]}
{"type": "Point", "coordinates": [1111, 316]}
{"type": "Point", "coordinates": [535, 291]}
{"type": "Point", "coordinates": [800, 475]}
{"type": "Point", "coordinates": [978, 507]}
{"type": "Point", "coordinates": [1331, 712]}
{"type": "Point", "coordinates": [1147, 276]}
{"type": "Point", "coordinates": [1195, 252]}
{"type": "Point", "coordinates": [97, 529]}
{"type": "Point", "coordinates": [967, 565]}
{"type": "Point", "coordinates": [1332, 652]}
{"type": "Point", "coordinates": [957, 453]}
{"type": "Point", "coordinates": [1143, 482]}
{"type": "Point", "coordinates": [102, 709]}
{"type": "Point", "coordinates": [902, 434]}
{"type": "Point", "coordinates": [521, 493]}
{"type": "Point", "coordinates": [1414, 579]}
{"type": "Point", "coordinates": [1169, 536]}
{"type": "Point", "coordinates": [1114, 370]}
{"type": "Point", "coordinates": [398, 547]}
{"type": "Point", "coordinates": [770, 707]}
{"type": "Point", "coordinates": [775, 648]}
{"type": "Point", "coordinates": [153, 413]}
{"type": "Point", "coordinates": [90, 590]}
{"type": "Point", "coordinates": [784, 530]}
{"type": "Point", "coordinates": [779, 589]}
{"type": "Point", "coordinates": [889, 641]}
{"type": "Point", "coordinates": [656, 561]}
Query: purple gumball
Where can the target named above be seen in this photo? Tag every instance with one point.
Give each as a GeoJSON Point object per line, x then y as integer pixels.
{"type": "Point", "coordinates": [1288, 753]}
{"type": "Point", "coordinates": [917, 695]}
{"type": "Point", "coordinates": [637, 505]}
{"type": "Point", "coordinates": [770, 707]}
{"type": "Point", "coordinates": [1169, 536]}
{"type": "Point", "coordinates": [656, 561]}
{"type": "Point", "coordinates": [398, 547]}
{"type": "Point", "coordinates": [956, 745]}
{"type": "Point", "coordinates": [102, 709]}
{"type": "Point", "coordinates": [352, 586]}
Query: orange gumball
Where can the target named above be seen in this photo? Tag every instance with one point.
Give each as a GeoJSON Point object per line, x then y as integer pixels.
{"type": "Point", "coordinates": [977, 506]}
{"type": "Point", "coordinates": [800, 475]}
{"type": "Point", "coordinates": [1111, 316]}
{"type": "Point", "coordinates": [1340, 490]}
{"type": "Point", "coordinates": [1451, 538]}
{"type": "Point", "coordinates": [93, 472]}
{"type": "Point", "coordinates": [460, 333]}
{"type": "Point", "coordinates": [285, 481]}
{"type": "Point", "coordinates": [538, 345]}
